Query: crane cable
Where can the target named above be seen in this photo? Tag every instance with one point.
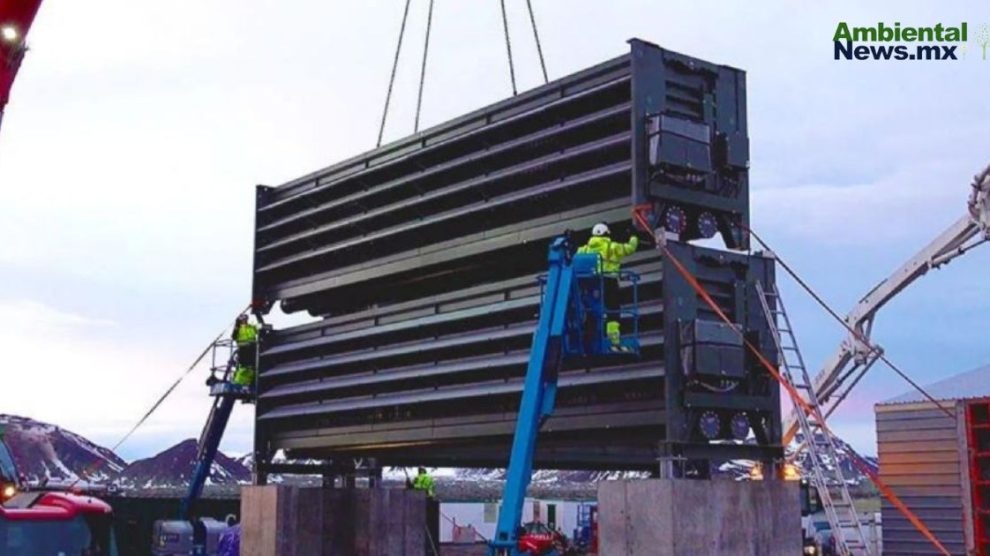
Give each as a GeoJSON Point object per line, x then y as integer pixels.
{"type": "Point", "coordinates": [391, 79]}
{"type": "Point", "coordinates": [791, 390]}
{"type": "Point", "coordinates": [536, 37]}
{"type": "Point", "coordinates": [874, 349]}
{"type": "Point", "coordinates": [508, 48]}
{"type": "Point", "coordinates": [426, 49]}
{"type": "Point", "coordinates": [154, 407]}
{"type": "Point", "coordinates": [422, 71]}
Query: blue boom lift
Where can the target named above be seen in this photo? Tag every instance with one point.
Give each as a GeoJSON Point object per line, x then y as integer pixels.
{"type": "Point", "coordinates": [195, 536]}
{"type": "Point", "coordinates": [571, 325]}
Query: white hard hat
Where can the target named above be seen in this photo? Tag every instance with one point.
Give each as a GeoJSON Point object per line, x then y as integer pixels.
{"type": "Point", "coordinates": [600, 229]}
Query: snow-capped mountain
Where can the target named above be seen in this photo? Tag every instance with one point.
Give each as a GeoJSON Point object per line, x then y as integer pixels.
{"type": "Point", "coordinates": [549, 476]}
{"type": "Point", "coordinates": [174, 467]}
{"type": "Point", "coordinates": [47, 453]}
{"type": "Point", "coordinates": [846, 461]}
{"type": "Point", "coordinates": [734, 469]}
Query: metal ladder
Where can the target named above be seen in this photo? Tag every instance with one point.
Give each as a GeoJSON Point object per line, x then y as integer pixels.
{"type": "Point", "coordinates": [830, 483]}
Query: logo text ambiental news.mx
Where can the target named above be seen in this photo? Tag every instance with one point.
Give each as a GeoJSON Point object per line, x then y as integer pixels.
{"type": "Point", "coordinates": [908, 43]}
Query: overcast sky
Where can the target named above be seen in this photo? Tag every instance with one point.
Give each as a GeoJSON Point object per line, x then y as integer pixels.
{"type": "Point", "coordinates": [138, 130]}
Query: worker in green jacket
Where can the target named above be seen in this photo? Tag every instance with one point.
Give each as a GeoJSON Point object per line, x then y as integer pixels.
{"type": "Point", "coordinates": [610, 254]}
{"type": "Point", "coordinates": [424, 482]}
{"type": "Point", "coordinates": [245, 335]}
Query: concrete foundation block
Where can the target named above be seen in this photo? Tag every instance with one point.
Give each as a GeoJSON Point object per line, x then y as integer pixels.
{"type": "Point", "coordinates": [674, 516]}
{"type": "Point", "coordinates": [279, 520]}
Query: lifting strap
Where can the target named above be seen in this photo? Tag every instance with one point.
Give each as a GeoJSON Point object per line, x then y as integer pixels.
{"type": "Point", "coordinates": [795, 397]}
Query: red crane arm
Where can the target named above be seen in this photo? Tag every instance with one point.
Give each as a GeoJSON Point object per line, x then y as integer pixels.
{"type": "Point", "coordinates": [16, 17]}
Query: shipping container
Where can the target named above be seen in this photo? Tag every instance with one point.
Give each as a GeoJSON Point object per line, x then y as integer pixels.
{"type": "Point", "coordinates": [936, 459]}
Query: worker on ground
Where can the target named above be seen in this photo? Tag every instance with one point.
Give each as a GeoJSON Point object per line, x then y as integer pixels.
{"type": "Point", "coordinates": [245, 335]}
{"type": "Point", "coordinates": [424, 482]}
{"type": "Point", "coordinates": [610, 254]}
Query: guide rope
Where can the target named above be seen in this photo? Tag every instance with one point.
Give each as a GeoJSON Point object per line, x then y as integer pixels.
{"type": "Point", "coordinates": [874, 349]}
{"type": "Point", "coordinates": [168, 392]}
{"type": "Point", "coordinates": [789, 388]}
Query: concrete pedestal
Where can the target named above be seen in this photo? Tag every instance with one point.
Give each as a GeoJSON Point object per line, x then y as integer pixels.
{"type": "Point", "coordinates": [675, 516]}
{"type": "Point", "coordinates": [313, 521]}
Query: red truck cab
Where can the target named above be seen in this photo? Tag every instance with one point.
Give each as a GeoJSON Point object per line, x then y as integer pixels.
{"type": "Point", "coordinates": [536, 539]}
{"type": "Point", "coordinates": [43, 523]}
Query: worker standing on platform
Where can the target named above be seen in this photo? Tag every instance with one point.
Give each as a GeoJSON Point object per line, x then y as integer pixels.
{"type": "Point", "coordinates": [610, 254]}
{"type": "Point", "coordinates": [245, 335]}
{"type": "Point", "coordinates": [424, 482]}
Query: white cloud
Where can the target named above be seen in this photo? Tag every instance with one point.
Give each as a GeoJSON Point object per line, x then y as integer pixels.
{"type": "Point", "coordinates": [26, 314]}
{"type": "Point", "coordinates": [913, 203]}
{"type": "Point", "coordinates": [73, 370]}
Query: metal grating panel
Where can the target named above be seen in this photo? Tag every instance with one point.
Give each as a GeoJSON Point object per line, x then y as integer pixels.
{"type": "Point", "coordinates": [420, 259]}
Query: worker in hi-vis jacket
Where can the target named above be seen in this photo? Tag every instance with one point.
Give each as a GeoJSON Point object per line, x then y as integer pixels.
{"type": "Point", "coordinates": [423, 481]}
{"type": "Point", "coordinates": [245, 335]}
{"type": "Point", "coordinates": [610, 254]}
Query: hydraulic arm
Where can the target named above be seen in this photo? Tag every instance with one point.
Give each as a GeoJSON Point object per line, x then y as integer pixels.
{"type": "Point", "coordinates": [209, 443]}
{"type": "Point", "coordinates": [571, 324]}
{"type": "Point", "coordinates": [858, 353]}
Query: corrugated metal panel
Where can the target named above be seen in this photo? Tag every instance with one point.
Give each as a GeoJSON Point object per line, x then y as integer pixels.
{"type": "Point", "coordinates": [420, 258]}
{"type": "Point", "coordinates": [919, 449]}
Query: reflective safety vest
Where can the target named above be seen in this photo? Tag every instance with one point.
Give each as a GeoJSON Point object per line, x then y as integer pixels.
{"type": "Point", "coordinates": [610, 253]}
{"type": "Point", "coordinates": [424, 482]}
{"type": "Point", "coordinates": [246, 334]}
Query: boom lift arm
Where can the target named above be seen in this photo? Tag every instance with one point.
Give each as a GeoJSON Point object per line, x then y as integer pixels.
{"type": "Point", "coordinates": [191, 534]}
{"type": "Point", "coordinates": [571, 307]}
{"type": "Point", "coordinates": [225, 393]}
{"type": "Point", "coordinates": [209, 443]}
{"type": "Point", "coordinates": [857, 353]}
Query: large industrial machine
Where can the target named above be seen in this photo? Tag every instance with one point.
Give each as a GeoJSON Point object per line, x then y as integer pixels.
{"type": "Point", "coordinates": [416, 261]}
{"type": "Point", "coordinates": [36, 523]}
{"type": "Point", "coordinates": [16, 17]}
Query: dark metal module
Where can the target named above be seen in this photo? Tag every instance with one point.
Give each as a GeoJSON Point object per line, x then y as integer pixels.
{"type": "Point", "coordinates": [420, 258]}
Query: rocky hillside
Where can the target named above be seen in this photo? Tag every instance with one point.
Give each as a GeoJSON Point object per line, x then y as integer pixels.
{"type": "Point", "coordinates": [47, 453]}
{"type": "Point", "coordinates": [174, 467]}
{"type": "Point", "coordinates": [736, 469]}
